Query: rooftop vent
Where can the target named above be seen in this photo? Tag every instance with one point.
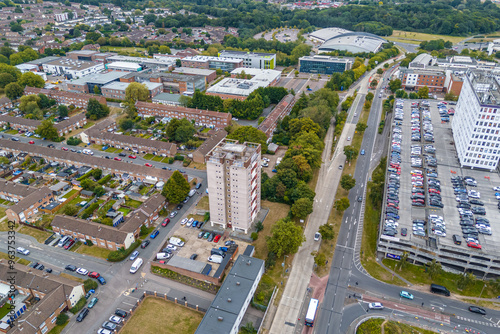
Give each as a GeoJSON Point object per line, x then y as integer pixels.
{"type": "Point", "coordinates": [249, 262]}
{"type": "Point", "coordinates": [220, 318]}
{"type": "Point", "coordinates": [238, 283]}
{"type": "Point", "coordinates": [229, 300]}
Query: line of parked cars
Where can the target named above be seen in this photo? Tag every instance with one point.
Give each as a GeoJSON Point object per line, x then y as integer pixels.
{"type": "Point", "coordinates": [191, 222]}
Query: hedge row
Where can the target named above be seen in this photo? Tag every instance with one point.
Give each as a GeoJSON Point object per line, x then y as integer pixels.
{"type": "Point", "coordinates": [121, 254]}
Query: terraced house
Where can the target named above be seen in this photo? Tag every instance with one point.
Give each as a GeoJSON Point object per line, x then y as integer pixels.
{"type": "Point", "coordinates": [63, 127]}
{"type": "Point", "coordinates": [79, 100]}
{"type": "Point", "coordinates": [30, 205]}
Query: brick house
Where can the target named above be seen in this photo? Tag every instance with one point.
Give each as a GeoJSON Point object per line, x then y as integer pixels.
{"type": "Point", "coordinates": [5, 103]}
{"type": "Point", "coordinates": [79, 100]}
{"type": "Point", "coordinates": [14, 192]}
{"type": "Point", "coordinates": [63, 128]}
{"type": "Point", "coordinates": [208, 145]}
{"type": "Point", "coordinates": [30, 205]}
{"type": "Point", "coordinates": [212, 119]}
{"type": "Point", "coordinates": [281, 110]}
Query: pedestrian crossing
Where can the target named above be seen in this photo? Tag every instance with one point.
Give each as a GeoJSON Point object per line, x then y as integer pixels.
{"type": "Point", "coordinates": [484, 323]}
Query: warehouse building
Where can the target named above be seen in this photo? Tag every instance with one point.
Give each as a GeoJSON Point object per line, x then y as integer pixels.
{"type": "Point", "coordinates": [87, 84]}
{"type": "Point", "coordinates": [72, 69]}
{"type": "Point", "coordinates": [123, 66]}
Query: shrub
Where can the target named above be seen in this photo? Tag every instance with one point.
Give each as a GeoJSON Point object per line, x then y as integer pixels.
{"type": "Point", "coordinates": [88, 211]}
{"type": "Point", "coordinates": [171, 160]}
{"type": "Point", "coordinates": [62, 318]}
{"type": "Point", "coordinates": [259, 226]}
{"type": "Point", "coordinates": [120, 254]}
{"type": "Point", "coordinates": [105, 179]}
{"type": "Point", "coordinates": [78, 306]}
{"type": "Point", "coordinates": [89, 284]}
{"type": "Point", "coordinates": [89, 243]}
{"type": "Point", "coordinates": [254, 236]}
{"type": "Point", "coordinates": [179, 157]}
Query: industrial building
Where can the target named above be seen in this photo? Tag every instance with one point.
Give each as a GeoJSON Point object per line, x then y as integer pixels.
{"type": "Point", "coordinates": [72, 69]}
{"type": "Point", "coordinates": [123, 66]}
{"type": "Point", "coordinates": [324, 64]}
{"type": "Point", "coordinates": [252, 59]}
{"type": "Point", "coordinates": [207, 62]}
{"type": "Point", "coordinates": [87, 84]}
{"type": "Point", "coordinates": [354, 42]}
{"type": "Point", "coordinates": [415, 79]}
{"type": "Point", "coordinates": [233, 173]}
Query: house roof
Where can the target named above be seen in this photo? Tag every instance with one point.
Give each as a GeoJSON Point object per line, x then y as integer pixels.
{"type": "Point", "coordinates": [31, 199]}
{"type": "Point", "coordinates": [211, 142]}
{"type": "Point", "coordinates": [14, 188]}
{"type": "Point", "coordinates": [4, 100]}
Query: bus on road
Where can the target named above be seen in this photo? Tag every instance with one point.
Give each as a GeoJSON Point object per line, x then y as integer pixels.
{"type": "Point", "coordinates": [311, 312]}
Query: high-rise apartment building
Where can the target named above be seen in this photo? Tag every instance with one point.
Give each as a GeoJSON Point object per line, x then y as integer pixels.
{"type": "Point", "coordinates": [233, 172]}
{"type": "Point", "coordinates": [476, 124]}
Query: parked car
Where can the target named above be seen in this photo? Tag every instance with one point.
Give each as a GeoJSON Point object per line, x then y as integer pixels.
{"type": "Point", "coordinates": [145, 244]}
{"type": "Point", "coordinates": [83, 313]}
{"type": "Point", "coordinates": [121, 313]}
{"type": "Point", "coordinates": [101, 280]}
{"type": "Point", "coordinates": [23, 251]}
{"type": "Point", "coordinates": [115, 319]}
{"type": "Point", "coordinates": [109, 325]}
{"type": "Point", "coordinates": [92, 302]}
{"type": "Point", "coordinates": [165, 222]}
{"type": "Point", "coordinates": [375, 306]}
{"type": "Point", "coordinates": [154, 234]}
{"type": "Point", "coordinates": [134, 255]}
{"type": "Point", "coordinates": [217, 238]}
{"type": "Point", "coordinates": [82, 271]}
{"type": "Point", "coordinates": [94, 274]}
{"type": "Point", "coordinates": [476, 309]}
{"type": "Point", "coordinates": [406, 294]}
{"type": "Point", "coordinates": [70, 267]}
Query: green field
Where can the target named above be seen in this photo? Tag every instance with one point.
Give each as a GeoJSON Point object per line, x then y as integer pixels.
{"type": "Point", "coordinates": [417, 37]}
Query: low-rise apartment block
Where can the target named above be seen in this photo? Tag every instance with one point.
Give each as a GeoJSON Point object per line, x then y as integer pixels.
{"type": "Point", "coordinates": [100, 135]}
{"type": "Point", "coordinates": [56, 295]}
{"type": "Point", "coordinates": [417, 78]}
{"type": "Point", "coordinates": [282, 109]}
{"type": "Point", "coordinates": [116, 89]}
{"type": "Point", "coordinates": [72, 69]}
{"type": "Point", "coordinates": [79, 100]}
{"type": "Point", "coordinates": [211, 119]}
{"type": "Point", "coordinates": [63, 127]}
{"type": "Point", "coordinates": [68, 158]}
{"type": "Point", "coordinates": [30, 205]}
{"type": "Point", "coordinates": [213, 141]}
{"type": "Point", "coordinates": [5, 103]}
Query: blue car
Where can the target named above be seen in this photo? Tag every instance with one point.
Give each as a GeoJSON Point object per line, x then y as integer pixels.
{"type": "Point", "coordinates": [406, 294]}
{"type": "Point", "coordinates": [224, 249]}
{"type": "Point", "coordinates": [362, 152]}
{"type": "Point", "coordinates": [101, 280]}
{"type": "Point", "coordinates": [154, 234]}
{"type": "Point", "coordinates": [195, 223]}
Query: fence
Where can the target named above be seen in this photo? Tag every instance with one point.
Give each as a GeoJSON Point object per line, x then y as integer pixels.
{"type": "Point", "coordinates": [154, 294]}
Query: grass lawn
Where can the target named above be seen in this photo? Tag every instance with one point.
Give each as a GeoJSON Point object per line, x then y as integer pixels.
{"type": "Point", "coordinates": [71, 277]}
{"type": "Point", "coordinates": [416, 37]}
{"type": "Point", "coordinates": [70, 193]}
{"type": "Point", "coordinates": [40, 236]}
{"type": "Point", "coordinates": [88, 125]}
{"type": "Point", "coordinates": [4, 225]}
{"type": "Point", "coordinates": [58, 329]}
{"type": "Point", "coordinates": [95, 251]}
{"type": "Point", "coordinates": [203, 203]}
{"type": "Point", "coordinates": [197, 165]}
{"type": "Point", "coordinates": [5, 256]}
{"type": "Point", "coordinates": [12, 132]}
{"type": "Point", "coordinates": [180, 319]}
{"type": "Point", "coordinates": [144, 190]}
{"type": "Point", "coordinates": [374, 326]}
{"type": "Point", "coordinates": [4, 310]}
{"type": "Point", "coordinates": [74, 201]}
{"type": "Point", "coordinates": [2, 212]}
{"type": "Point", "coordinates": [125, 211]}
{"type": "Point", "coordinates": [158, 158]}
{"type": "Point", "coordinates": [148, 156]}
{"type": "Point", "coordinates": [105, 208]}
{"type": "Point", "coordinates": [133, 203]}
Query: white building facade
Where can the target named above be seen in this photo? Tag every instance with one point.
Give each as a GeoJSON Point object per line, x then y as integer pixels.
{"type": "Point", "coordinates": [476, 124]}
{"type": "Point", "coordinates": [234, 173]}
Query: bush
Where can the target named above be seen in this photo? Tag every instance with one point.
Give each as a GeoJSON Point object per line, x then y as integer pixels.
{"type": "Point", "coordinates": [259, 226]}
{"type": "Point", "coordinates": [121, 254]}
{"type": "Point", "coordinates": [89, 243]}
{"type": "Point", "coordinates": [144, 231]}
{"type": "Point", "coordinates": [62, 318]}
{"type": "Point", "coordinates": [88, 211]}
{"type": "Point", "coordinates": [179, 157]}
{"type": "Point", "coordinates": [78, 306]}
{"type": "Point", "coordinates": [84, 176]}
{"type": "Point", "coordinates": [254, 236]}
{"type": "Point", "coordinates": [89, 284]}
{"type": "Point", "coordinates": [171, 160]}
{"type": "Point", "coordinates": [73, 141]}
{"type": "Point", "coordinates": [105, 179]}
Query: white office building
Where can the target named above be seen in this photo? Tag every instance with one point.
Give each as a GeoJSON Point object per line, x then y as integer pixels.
{"type": "Point", "coordinates": [72, 68]}
{"type": "Point", "coordinates": [252, 59]}
{"type": "Point", "coordinates": [233, 173]}
{"type": "Point", "coordinates": [476, 124]}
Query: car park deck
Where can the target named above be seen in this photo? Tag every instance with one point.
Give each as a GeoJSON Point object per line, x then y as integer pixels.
{"type": "Point", "coordinates": [424, 248]}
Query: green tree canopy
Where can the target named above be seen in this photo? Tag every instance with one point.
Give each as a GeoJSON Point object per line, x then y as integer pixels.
{"type": "Point", "coordinates": [31, 79]}
{"type": "Point", "coordinates": [5, 79]}
{"type": "Point", "coordinates": [286, 238]}
{"type": "Point", "coordinates": [350, 152]}
{"type": "Point", "coordinates": [361, 127]}
{"type": "Point", "coordinates": [250, 134]}
{"type": "Point", "coordinates": [13, 91]}
{"type": "Point", "coordinates": [394, 85]}
{"type": "Point", "coordinates": [47, 130]}
{"type": "Point", "coordinates": [137, 92]}
{"type": "Point", "coordinates": [327, 232]}
{"type": "Point", "coordinates": [342, 204]}
{"type": "Point", "coordinates": [347, 182]}
{"type": "Point", "coordinates": [302, 207]}
{"type": "Point", "coordinates": [96, 110]}
{"type": "Point", "coordinates": [176, 189]}
{"type": "Point", "coordinates": [423, 92]}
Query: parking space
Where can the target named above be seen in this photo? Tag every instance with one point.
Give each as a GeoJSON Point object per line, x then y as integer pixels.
{"type": "Point", "coordinates": [269, 161]}
{"type": "Point", "coordinates": [432, 197]}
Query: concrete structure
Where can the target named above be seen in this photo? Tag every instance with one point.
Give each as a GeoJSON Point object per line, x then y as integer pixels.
{"type": "Point", "coordinates": [30, 205]}
{"type": "Point", "coordinates": [210, 75]}
{"type": "Point", "coordinates": [455, 84]}
{"type": "Point", "coordinates": [233, 173]}
{"type": "Point", "coordinates": [90, 55]}
{"type": "Point", "coordinates": [475, 124]}
{"type": "Point", "coordinates": [87, 84]}
{"type": "Point", "coordinates": [57, 294]}
{"type": "Point", "coordinates": [281, 110]}
{"type": "Point", "coordinates": [167, 99]}
{"type": "Point", "coordinates": [211, 119]}
{"type": "Point", "coordinates": [121, 169]}
{"type": "Point", "coordinates": [252, 59]}
{"type": "Point", "coordinates": [68, 98]}
{"type": "Point", "coordinates": [322, 35]}
{"type": "Point", "coordinates": [164, 62]}
{"type": "Point", "coordinates": [123, 66]}
{"type": "Point", "coordinates": [354, 42]}
{"type": "Point", "coordinates": [172, 83]}
{"type": "Point", "coordinates": [422, 61]}
{"type": "Point", "coordinates": [209, 144]}
{"type": "Point", "coordinates": [116, 89]}
{"type": "Point", "coordinates": [231, 302]}
{"type": "Point", "coordinates": [324, 64]}
{"type": "Point", "coordinates": [100, 135]}
{"type": "Point", "coordinates": [214, 63]}
{"type": "Point", "coordinates": [239, 89]}
{"type": "Point", "coordinates": [72, 69]}
{"type": "Point", "coordinates": [416, 78]}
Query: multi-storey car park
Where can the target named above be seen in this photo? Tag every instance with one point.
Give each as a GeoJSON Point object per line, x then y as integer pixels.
{"type": "Point", "coordinates": [455, 254]}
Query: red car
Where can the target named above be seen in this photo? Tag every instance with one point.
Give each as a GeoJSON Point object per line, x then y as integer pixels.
{"type": "Point", "coordinates": [31, 142]}
{"type": "Point", "coordinates": [132, 156]}
{"type": "Point", "coordinates": [94, 274]}
{"type": "Point", "coordinates": [165, 222]}
{"type": "Point", "coordinates": [472, 244]}
{"type": "Point", "coordinates": [69, 244]}
{"type": "Point", "coordinates": [217, 238]}
{"type": "Point", "coordinates": [118, 159]}
{"type": "Point", "coordinates": [148, 165]}
{"type": "Point", "coordinates": [64, 148]}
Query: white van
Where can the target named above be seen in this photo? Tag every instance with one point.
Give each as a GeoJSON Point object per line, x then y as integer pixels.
{"type": "Point", "coordinates": [191, 193]}
{"type": "Point", "coordinates": [136, 265]}
{"type": "Point", "coordinates": [215, 259]}
{"type": "Point", "coordinates": [162, 256]}
{"type": "Point", "coordinates": [63, 241]}
{"type": "Point", "coordinates": [176, 241]}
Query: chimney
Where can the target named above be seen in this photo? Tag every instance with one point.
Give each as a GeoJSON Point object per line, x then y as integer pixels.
{"type": "Point", "coordinates": [220, 318]}
{"type": "Point", "coordinates": [249, 262]}
{"type": "Point", "coordinates": [229, 300]}
{"type": "Point", "coordinates": [238, 283]}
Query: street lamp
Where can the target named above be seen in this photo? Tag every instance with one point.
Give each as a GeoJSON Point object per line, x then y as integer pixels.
{"type": "Point", "coordinates": [283, 265]}
{"type": "Point", "coordinates": [484, 286]}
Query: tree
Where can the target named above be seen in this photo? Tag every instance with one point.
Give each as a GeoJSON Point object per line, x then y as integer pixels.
{"type": "Point", "coordinates": [184, 131]}
{"type": "Point", "coordinates": [164, 49]}
{"type": "Point", "coordinates": [394, 85]}
{"type": "Point", "coordinates": [97, 173]}
{"type": "Point", "coordinates": [450, 96]}
{"type": "Point", "coordinates": [350, 152]}
{"type": "Point", "coordinates": [31, 79]}
{"type": "Point", "coordinates": [373, 83]}
{"type": "Point", "coordinates": [70, 209]}
{"type": "Point", "coordinates": [302, 207]}
{"type": "Point", "coordinates": [347, 182]}
{"type": "Point", "coordinates": [380, 71]}
{"type": "Point", "coordinates": [465, 280]}
{"type": "Point", "coordinates": [126, 124]}
{"type": "Point", "coordinates": [96, 110]}
{"type": "Point", "coordinates": [13, 91]}
{"type": "Point", "coordinates": [62, 110]}
{"type": "Point", "coordinates": [250, 134]}
{"type": "Point", "coordinates": [248, 329]}
{"type": "Point", "coordinates": [99, 191]}
{"type": "Point", "coordinates": [320, 259]}
{"type": "Point", "coordinates": [434, 268]}
{"type": "Point", "coordinates": [361, 127]}
{"type": "Point", "coordinates": [97, 90]}
{"type": "Point", "coordinates": [137, 91]}
{"type": "Point", "coordinates": [178, 62]}
{"type": "Point", "coordinates": [342, 204]}
{"type": "Point", "coordinates": [369, 96]}
{"type": "Point", "coordinates": [176, 189]}
{"type": "Point", "coordinates": [5, 79]}
{"type": "Point", "coordinates": [61, 319]}
{"type": "Point", "coordinates": [423, 92]}
{"type": "Point", "coordinates": [327, 232]}
{"type": "Point", "coordinates": [286, 238]}
{"type": "Point", "coordinates": [73, 141]}
{"type": "Point", "coordinates": [47, 130]}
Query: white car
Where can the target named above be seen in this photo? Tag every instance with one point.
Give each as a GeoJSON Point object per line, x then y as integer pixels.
{"type": "Point", "coordinates": [171, 247]}
{"type": "Point", "coordinates": [115, 319]}
{"type": "Point", "coordinates": [190, 222]}
{"type": "Point", "coordinates": [23, 251]}
{"type": "Point", "coordinates": [375, 306]}
{"type": "Point", "coordinates": [496, 188]}
{"type": "Point", "coordinates": [184, 221]}
{"type": "Point", "coordinates": [317, 235]}
{"type": "Point", "coordinates": [82, 271]}
{"type": "Point", "coordinates": [104, 331]}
